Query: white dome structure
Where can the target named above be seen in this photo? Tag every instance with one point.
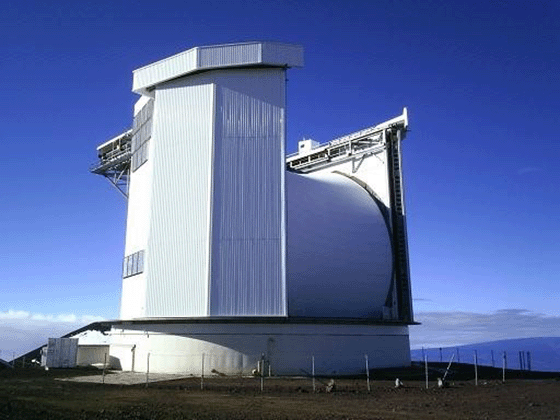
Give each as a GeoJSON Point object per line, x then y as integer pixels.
{"type": "Point", "coordinates": [326, 252]}
{"type": "Point", "coordinates": [238, 255]}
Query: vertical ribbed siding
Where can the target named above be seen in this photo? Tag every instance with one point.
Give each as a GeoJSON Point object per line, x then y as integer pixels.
{"type": "Point", "coordinates": [229, 55]}
{"type": "Point", "coordinates": [216, 56]}
{"type": "Point", "coordinates": [179, 236]}
{"type": "Point", "coordinates": [248, 209]}
{"type": "Point", "coordinates": [165, 69]}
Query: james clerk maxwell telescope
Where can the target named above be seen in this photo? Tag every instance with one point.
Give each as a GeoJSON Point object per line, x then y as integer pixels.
{"type": "Point", "coordinates": [238, 257]}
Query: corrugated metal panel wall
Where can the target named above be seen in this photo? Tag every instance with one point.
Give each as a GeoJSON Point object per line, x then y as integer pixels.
{"type": "Point", "coordinates": [61, 352]}
{"type": "Point", "coordinates": [229, 55]}
{"type": "Point", "coordinates": [178, 245]}
{"type": "Point", "coordinates": [164, 69]}
{"type": "Point", "coordinates": [248, 210]}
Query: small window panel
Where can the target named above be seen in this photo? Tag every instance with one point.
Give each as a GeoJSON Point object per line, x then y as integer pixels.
{"type": "Point", "coordinates": [133, 264]}
{"type": "Point", "coordinates": [141, 134]}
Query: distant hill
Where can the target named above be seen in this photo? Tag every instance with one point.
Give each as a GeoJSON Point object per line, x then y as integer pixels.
{"type": "Point", "coordinates": [544, 353]}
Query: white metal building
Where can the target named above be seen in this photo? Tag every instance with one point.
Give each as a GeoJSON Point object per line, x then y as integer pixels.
{"type": "Point", "coordinates": [236, 253]}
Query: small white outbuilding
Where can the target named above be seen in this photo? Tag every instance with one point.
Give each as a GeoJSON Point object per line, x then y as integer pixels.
{"type": "Point", "coordinates": [60, 353]}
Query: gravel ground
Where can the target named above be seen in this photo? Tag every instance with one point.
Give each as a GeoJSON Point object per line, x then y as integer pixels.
{"type": "Point", "coordinates": [38, 394]}
{"type": "Point", "coordinates": [124, 378]}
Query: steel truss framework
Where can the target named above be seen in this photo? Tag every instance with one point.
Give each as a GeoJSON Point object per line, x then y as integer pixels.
{"type": "Point", "coordinates": [114, 161]}
{"type": "Point", "coordinates": [362, 143]}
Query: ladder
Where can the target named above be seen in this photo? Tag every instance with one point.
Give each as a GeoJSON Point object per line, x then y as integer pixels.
{"type": "Point", "coordinates": [398, 223]}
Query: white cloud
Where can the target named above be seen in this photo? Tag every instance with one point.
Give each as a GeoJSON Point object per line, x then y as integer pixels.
{"type": "Point", "coordinates": [22, 331]}
{"type": "Point", "coordinates": [28, 317]}
{"type": "Point", "coordinates": [11, 314]}
{"type": "Point", "coordinates": [441, 329]}
{"type": "Point", "coordinates": [71, 318]}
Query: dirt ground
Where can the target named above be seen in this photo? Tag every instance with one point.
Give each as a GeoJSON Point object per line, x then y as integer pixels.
{"type": "Point", "coordinates": [38, 394]}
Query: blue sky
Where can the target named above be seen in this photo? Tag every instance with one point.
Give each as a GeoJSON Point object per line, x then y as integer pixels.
{"type": "Point", "coordinates": [480, 80]}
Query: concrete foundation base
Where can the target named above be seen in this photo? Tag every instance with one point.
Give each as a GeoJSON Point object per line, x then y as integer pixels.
{"type": "Point", "coordinates": [246, 348]}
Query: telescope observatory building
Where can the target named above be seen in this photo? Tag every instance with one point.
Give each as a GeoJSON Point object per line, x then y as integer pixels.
{"type": "Point", "coordinates": [238, 257]}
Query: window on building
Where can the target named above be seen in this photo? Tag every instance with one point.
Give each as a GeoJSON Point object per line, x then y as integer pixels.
{"type": "Point", "coordinates": [133, 264]}
{"type": "Point", "coordinates": [141, 134]}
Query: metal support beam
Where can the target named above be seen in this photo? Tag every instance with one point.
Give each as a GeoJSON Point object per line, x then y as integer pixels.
{"type": "Point", "coordinates": [114, 161]}
{"type": "Point", "coordinates": [355, 145]}
{"type": "Point", "coordinates": [398, 224]}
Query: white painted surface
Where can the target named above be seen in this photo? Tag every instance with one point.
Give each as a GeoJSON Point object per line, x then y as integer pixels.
{"type": "Point", "coordinates": [216, 56]}
{"type": "Point", "coordinates": [306, 146]}
{"type": "Point", "coordinates": [208, 205]}
{"type": "Point", "coordinates": [229, 55]}
{"type": "Point", "coordinates": [164, 70]}
{"type": "Point", "coordinates": [139, 104]}
{"type": "Point", "coordinates": [247, 275]}
{"type": "Point", "coordinates": [110, 141]}
{"type": "Point", "coordinates": [181, 154]}
{"type": "Point", "coordinates": [339, 257]}
{"type": "Point", "coordinates": [61, 353]}
{"type": "Point", "coordinates": [237, 348]}
{"type": "Point", "coordinates": [371, 169]}
{"type": "Point", "coordinates": [89, 355]}
{"type": "Point", "coordinates": [92, 337]}
{"type": "Point", "coordinates": [133, 296]}
{"type": "Point", "coordinates": [367, 163]}
{"type": "Point", "coordinates": [213, 222]}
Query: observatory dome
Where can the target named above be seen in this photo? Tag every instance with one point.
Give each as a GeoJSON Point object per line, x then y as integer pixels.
{"type": "Point", "coordinates": [241, 259]}
{"type": "Point", "coordinates": [339, 258]}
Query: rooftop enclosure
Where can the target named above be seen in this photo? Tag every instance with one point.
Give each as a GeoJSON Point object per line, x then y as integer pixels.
{"type": "Point", "coordinates": [222, 224]}
{"type": "Point", "coordinates": [250, 54]}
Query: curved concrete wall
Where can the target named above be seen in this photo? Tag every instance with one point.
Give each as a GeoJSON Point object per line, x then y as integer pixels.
{"type": "Point", "coordinates": [234, 349]}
